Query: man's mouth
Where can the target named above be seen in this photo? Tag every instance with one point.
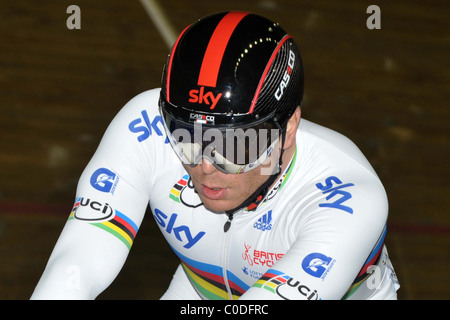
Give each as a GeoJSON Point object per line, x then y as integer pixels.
{"type": "Point", "coordinates": [212, 192]}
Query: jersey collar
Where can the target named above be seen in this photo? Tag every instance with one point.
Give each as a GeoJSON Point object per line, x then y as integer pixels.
{"type": "Point", "coordinates": [276, 187]}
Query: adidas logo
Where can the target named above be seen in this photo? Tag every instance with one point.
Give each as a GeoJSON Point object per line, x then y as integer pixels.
{"type": "Point", "coordinates": [264, 223]}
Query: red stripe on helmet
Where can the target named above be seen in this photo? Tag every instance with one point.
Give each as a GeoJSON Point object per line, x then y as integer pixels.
{"type": "Point", "coordinates": [216, 48]}
{"type": "Point", "coordinates": [266, 70]}
{"type": "Point", "coordinates": [169, 67]}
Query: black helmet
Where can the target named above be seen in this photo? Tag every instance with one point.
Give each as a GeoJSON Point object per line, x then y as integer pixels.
{"type": "Point", "coordinates": [238, 67]}
{"type": "Point", "coordinates": [231, 71]}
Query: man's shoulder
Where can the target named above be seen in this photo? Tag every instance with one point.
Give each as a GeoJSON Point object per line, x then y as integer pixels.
{"type": "Point", "coordinates": [145, 100]}
{"type": "Point", "coordinates": [138, 119]}
{"type": "Point", "coordinates": [338, 150]}
{"type": "Point", "coordinates": [320, 134]}
{"type": "Point", "coordinates": [140, 110]}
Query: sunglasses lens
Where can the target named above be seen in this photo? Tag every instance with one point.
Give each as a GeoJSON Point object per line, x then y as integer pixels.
{"type": "Point", "coordinates": [230, 150]}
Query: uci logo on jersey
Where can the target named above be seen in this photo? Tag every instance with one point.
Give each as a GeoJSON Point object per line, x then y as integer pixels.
{"type": "Point", "coordinates": [336, 193]}
{"type": "Point", "coordinates": [95, 210]}
{"type": "Point", "coordinates": [285, 286]}
{"type": "Point", "coordinates": [146, 128]}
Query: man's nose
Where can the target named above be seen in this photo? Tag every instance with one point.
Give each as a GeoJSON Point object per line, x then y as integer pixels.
{"type": "Point", "coordinates": [207, 166]}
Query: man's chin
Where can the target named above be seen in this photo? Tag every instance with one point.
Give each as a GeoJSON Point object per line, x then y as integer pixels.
{"type": "Point", "coordinates": [218, 206]}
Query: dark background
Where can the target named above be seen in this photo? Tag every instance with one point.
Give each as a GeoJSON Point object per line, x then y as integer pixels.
{"type": "Point", "coordinates": [387, 90]}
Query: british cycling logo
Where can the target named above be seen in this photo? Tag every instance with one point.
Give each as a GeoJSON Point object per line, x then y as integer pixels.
{"type": "Point", "coordinates": [104, 180]}
{"type": "Point", "coordinates": [183, 192]}
{"type": "Point", "coordinates": [317, 265]}
{"type": "Point", "coordinates": [260, 257]}
{"type": "Point", "coordinates": [336, 191]}
{"type": "Point", "coordinates": [146, 128]}
{"type": "Point", "coordinates": [285, 286]}
{"type": "Point", "coordinates": [169, 224]}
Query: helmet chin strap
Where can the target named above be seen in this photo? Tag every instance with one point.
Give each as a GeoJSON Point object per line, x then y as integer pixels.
{"type": "Point", "coordinates": [258, 196]}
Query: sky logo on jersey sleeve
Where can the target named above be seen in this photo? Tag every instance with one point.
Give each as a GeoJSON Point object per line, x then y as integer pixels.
{"type": "Point", "coordinates": [333, 188]}
{"type": "Point", "coordinates": [145, 127]}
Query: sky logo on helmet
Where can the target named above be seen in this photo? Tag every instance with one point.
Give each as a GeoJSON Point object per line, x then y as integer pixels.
{"type": "Point", "coordinates": [286, 77]}
{"type": "Point", "coordinates": [200, 97]}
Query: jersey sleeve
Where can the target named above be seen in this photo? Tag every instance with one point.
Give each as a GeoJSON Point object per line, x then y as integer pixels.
{"type": "Point", "coordinates": [333, 242]}
{"type": "Point", "coordinates": [111, 199]}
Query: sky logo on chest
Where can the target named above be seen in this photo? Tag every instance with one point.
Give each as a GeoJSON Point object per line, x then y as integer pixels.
{"type": "Point", "coordinates": [170, 223]}
{"type": "Point", "coordinates": [183, 192]}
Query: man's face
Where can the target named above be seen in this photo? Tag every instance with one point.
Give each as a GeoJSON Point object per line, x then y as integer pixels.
{"type": "Point", "coordinates": [220, 192]}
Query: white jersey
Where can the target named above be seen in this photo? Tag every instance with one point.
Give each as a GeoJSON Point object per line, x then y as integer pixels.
{"type": "Point", "coordinates": [319, 233]}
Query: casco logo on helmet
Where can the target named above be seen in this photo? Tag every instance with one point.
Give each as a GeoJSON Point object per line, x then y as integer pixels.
{"type": "Point", "coordinates": [199, 96]}
{"type": "Point", "coordinates": [201, 118]}
{"type": "Point", "coordinates": [287, 76]}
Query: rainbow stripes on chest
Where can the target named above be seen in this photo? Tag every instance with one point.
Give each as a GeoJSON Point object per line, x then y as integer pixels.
{"type": "Point", "coordinates": [211, 281]}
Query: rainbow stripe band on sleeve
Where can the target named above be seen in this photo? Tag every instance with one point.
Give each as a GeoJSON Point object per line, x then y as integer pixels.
{"type": "Point", "coordinates": [372, 260]}
{"type": "Point", "coordinates": [271, 280]}
{"type": "Point", "coordinates": [120, 226]}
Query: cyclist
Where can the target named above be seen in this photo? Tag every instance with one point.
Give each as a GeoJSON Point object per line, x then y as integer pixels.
{"type": "Point", "coordinates": [257, 202]}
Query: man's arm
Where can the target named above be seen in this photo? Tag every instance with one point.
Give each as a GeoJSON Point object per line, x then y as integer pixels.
{"type": "Point", "coordinates": [111, 200]}
{"type": "Point", "coordinates": [331, 248]}
{"type": "Point", "coordinates": [93, 245]}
